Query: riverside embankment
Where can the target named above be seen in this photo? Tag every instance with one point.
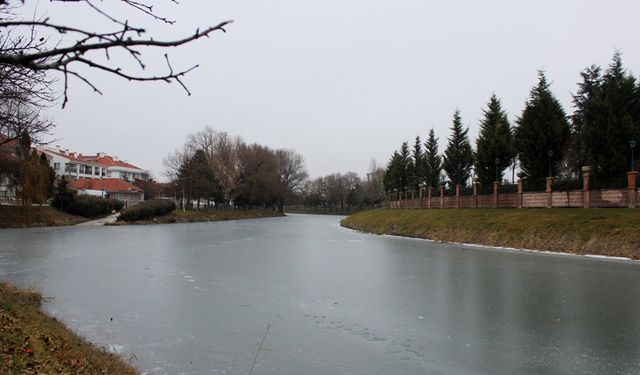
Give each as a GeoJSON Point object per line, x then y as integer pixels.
{"type": "Point", "coordinates": [610, 232]}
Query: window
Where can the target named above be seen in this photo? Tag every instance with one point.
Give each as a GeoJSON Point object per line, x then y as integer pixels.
{"type": "Point", "coordinates": [56, 166]}
{"type": "Point", "coordinates": [97, 173]}
{"type": "Point", "coordinates": [87, 169]}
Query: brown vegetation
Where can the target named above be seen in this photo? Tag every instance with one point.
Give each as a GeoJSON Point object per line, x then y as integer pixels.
{"type": "Point", "coordinates": [34, 343]}
{"type": "Point", "coordinates": [611, 232]}
{"type": "Point", "coordinates": [35, 216]}
{"type": "Point", "coordinates": [192, 216]}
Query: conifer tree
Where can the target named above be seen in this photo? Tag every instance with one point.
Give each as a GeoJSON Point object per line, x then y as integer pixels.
{"type": "Point", "coordinates": [495, 141]}
{"type": "Point", "coordinates": [396, 175]}
{"type": "Point", "coordinates": [405, 166]}
{"type": "Point", "coordinates": [542, 129]}
{"type": "Point", "coordinates": [417, 156]}
{"type": "Point", "coordinates": [458, 157]}
{"type": "Point", "coordinates": [391, 178]}
{"type": "Point", "coordinates": [576, 152]}
{"type": "Point", "coordinates": [610, 117]}
{"type": "Point", "coordinates": [432, 161]}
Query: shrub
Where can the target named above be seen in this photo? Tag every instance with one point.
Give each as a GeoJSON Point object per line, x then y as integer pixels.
{"type": "Point", "coordinates": [91, 206]}
{"type": "Point", "coordinates": [148, 209]}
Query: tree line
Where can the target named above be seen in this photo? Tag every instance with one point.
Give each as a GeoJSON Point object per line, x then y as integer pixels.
{"type": "Point", "coordinates": [344, 191]}
{"type": "Point", "coordinates": [217, 170]}
{"type": "Point", "coordinates": [544, 141]}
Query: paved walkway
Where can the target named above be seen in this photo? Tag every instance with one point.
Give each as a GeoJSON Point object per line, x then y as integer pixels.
{"type": "Point", "coordinates": [99, 222]}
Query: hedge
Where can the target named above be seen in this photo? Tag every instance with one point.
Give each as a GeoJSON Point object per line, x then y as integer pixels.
{"type": "Point", "coordinates": [91, 206]}
{"type": "Point", "coordinates": [147, 210]}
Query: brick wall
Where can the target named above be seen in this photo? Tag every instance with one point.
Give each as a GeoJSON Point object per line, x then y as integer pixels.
{"type": "Point", "coordinates": [534, 200]}
{"type": "Point", "coordinates": [574, 198]}
{"type": "Point", "coordinates": [567, 198]}
{"type": "Point", "coordinates": [450, 202]}
{"type": "Point", "coordinates": [467, 201]}
{"type": "Point", "coordinates": [508, 200]}
{"type": "Point", "coordinates": [609, 198]}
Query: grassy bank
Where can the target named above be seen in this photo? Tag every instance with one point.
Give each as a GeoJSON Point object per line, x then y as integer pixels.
{"type": "Point", "coordinates": [34, 343]}
{"type": "Point", "coordinates": [189, 216]}
{"type": "Point", "coordinates": [35, 216]}
{"type": "Point", "coordinates": [612, 232]}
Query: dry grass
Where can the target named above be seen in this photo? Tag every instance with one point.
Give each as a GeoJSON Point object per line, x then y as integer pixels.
{"type": "Point", "coordinates": [35, 216]}
{"type": "Point", "coordinates": [192, 216]}
{"type": "Point", "coordinates": [612, 232]}
{"type": "Point", "coordinates": [34, 343]}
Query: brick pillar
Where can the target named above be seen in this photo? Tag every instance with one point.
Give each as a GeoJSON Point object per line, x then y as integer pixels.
{"type": "Point", "coordinates": [458, 195]}
{"type": "Point", "coordinates": [413, 199]}
{"type": "Point", "coordinates": [549, 192]}
{"type": "Point", "coordinates": [586, 192]}
{"type": "Point", "coordinates": [520, 203]}
{"type": "Point", "coordinates": [441, 196]}
{"type": "Point", "coordinates": [496, 190]}
{"type": "Point", "coordinates": [475, 193]}
{"type": "Point", "coordinates": [631, 188]}
{"type": "Point", "coordinates": [430, 195]}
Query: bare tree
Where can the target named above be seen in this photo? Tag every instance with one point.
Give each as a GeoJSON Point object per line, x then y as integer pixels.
{"type": "Point", "coordinates": [18, 119]}
{"type": "Point", "coordinates": [222, 152]}
{"type": "Point", "coordinates": [63, 48]}
{"type": "Point", "coordinates": [292, 174]}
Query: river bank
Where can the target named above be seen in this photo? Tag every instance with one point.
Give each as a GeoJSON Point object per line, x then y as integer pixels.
{"type": "Point", "coordinates": [33, 342]}
{"type": "Point", "coordinates": [192, 216]}
{"type": "Point", "coordinates": [35, 216]}
{"type": "Point", "coordinates": [608, 232]}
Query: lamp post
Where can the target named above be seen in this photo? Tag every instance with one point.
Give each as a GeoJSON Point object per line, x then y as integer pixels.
{"type": "Point", "coordinates": [550, 153]}
{"type": "Point", "coordinates": [497, 160]}
{"type": "Point", "coordinates": [632, 144]}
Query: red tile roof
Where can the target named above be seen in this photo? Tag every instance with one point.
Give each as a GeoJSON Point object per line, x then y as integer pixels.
{"type": "Point", "coordinates": [70, 157]}
{"type": "Point", "coordinates": [106, 184]}
{"type": "Point", "coordinates": [107, 161]}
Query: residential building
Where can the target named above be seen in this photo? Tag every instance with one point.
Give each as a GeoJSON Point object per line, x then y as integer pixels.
{"type": "Point", "coordinates": [78, 166]}
{"type": "Point", "coordinates": [114, 188]}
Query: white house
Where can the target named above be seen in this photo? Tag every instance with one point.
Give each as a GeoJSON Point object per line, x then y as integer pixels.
{"type": "Point", "coordinates": [78, 166]}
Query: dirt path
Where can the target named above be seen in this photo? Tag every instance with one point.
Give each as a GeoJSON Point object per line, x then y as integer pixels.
{"type": "Point", "coordinates": [99, 222]}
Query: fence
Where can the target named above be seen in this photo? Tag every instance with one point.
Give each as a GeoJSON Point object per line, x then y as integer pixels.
{"type": "Point", "coordinates": [505, 198]}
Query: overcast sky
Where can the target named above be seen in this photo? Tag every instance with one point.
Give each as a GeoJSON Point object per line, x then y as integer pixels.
{"type": "Point", "coordinates": [342, 81]}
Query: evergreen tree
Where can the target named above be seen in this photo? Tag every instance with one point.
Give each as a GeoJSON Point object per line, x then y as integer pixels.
{"type": "Point", "coordinates": [576, 150]}
{"type": "Point", "coordinates": [63, 196]}
{"type": "Point", "coordinates": [391, 178]}
{"type": "Point", "coordinates": [494, 142]}
{"type": "Point", "coordinates": [417, 158]}
{"type": "Point", "coordinates": [542, 128]}
{"type": "Point", "coordinates": [405, 166]}
{"type": "Point", "coordinates": [397, 174]}
{"type": "Point", "coordinates": [458, 157]}
{"type": "Point", "coordinates": [610, 117]}
{"type": "Point", "coordinates": [432, 161]}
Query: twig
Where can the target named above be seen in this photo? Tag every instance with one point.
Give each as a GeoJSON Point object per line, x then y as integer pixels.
{"type": "Point", "coordinates": [260, 347]}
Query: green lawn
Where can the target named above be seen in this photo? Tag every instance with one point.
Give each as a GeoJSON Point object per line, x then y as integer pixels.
{"type": "Point", "coordinates": [614, 232]}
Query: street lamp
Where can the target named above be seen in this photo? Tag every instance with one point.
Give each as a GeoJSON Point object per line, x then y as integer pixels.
{"type": "Point", "coordinates": [497, 162]}
{"type": "Point", "coordinates": [632, 144]}
{"type": "Point", "coordinates": [550, 153]}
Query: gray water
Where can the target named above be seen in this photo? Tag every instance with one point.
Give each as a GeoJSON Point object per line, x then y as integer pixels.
{"type": "Point", "coordinates": [200, 299]}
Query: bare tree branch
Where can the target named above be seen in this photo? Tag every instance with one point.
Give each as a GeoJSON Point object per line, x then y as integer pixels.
{"type": "Point", "coordinates": [65, 57]}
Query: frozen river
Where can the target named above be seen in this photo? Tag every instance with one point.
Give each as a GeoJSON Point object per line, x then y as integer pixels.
{"type": "Point", "coordinates": [198, 298]}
